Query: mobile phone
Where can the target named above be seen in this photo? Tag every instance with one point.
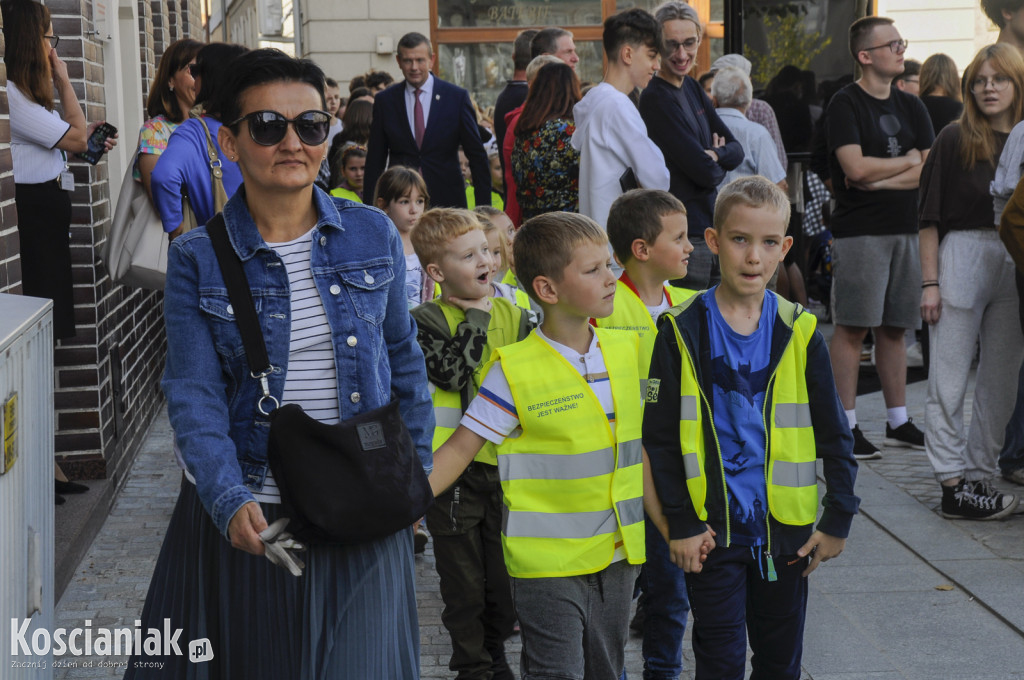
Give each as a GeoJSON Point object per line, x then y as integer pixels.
{"type": "Point", "coordinates": [96, 143]}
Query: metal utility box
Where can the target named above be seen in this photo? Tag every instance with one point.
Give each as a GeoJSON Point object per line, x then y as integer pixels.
{"type": "Point", "coordinates": [26, 483]}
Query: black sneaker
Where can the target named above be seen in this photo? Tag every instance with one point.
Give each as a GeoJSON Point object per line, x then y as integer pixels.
{"type": "Point", "coordinates": [906, 435]}
{"type": "Point", "coordinates": [862, 448]}
{"type": "Point", "coordinates": [976, 500]}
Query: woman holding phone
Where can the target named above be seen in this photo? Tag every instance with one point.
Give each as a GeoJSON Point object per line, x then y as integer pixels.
{"type": "Point", "coordinates": [40, 143]}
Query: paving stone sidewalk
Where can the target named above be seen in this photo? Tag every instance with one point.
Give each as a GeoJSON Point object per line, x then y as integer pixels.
{"type": "Point", "coordinates": [844, 627]}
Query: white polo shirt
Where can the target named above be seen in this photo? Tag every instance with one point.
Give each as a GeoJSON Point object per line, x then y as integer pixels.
{"type": "Point", "coordinates": [34, 134]}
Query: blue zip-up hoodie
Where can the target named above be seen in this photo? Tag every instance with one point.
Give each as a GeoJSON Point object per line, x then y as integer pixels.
{"type": "Point", "coordinates": [833, 440]}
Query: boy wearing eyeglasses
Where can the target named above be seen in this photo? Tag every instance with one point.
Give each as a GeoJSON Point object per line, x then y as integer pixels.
{"type": "Point", "coordinates": [878, 139]}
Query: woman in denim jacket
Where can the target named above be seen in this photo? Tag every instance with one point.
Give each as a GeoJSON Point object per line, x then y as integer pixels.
{"type": "Point", "coordinates": [328, 283]}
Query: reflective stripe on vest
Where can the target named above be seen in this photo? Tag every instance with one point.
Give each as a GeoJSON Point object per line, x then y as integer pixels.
{"type": "Point", "coordinates": [571, 487]}
{"type": "Point", "coordinates": [571, 466]}
{"type": "Point", "coordinates": [792, 480]}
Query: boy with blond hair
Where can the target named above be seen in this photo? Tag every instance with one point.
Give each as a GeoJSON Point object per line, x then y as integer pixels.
{"type": "Point", "coordinates": [563, 408]}
{"type": "Point", "coordinates": [648, 232]}
{"type": "Point", "coordinates": [740, 402]}
{"type": "Point", "coordinates": [457, 332]}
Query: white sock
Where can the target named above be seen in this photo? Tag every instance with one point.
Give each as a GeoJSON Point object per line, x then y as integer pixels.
{"type": "Point", "coordinates": [851, 415]}
{"type": "Point", "coordinates": [897, 416]}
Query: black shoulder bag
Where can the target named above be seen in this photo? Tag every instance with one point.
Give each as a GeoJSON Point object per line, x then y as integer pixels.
{"type": "Point", "coordinates": [351, 482]}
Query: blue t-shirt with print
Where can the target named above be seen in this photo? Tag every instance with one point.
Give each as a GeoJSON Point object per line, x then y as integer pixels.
{"type": "Point", "coordinates": [740, 372]}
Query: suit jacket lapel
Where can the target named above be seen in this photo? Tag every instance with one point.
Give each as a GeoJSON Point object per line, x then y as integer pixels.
{"type": "Point", "coordinates": [402, 116]}
{"type": "Point", "coordinates": [435, 104]}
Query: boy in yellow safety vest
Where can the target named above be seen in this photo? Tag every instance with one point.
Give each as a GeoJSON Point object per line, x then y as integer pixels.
{"type": "Point", "coordinates": [740, 403]}
{"type": "Point", "coordinates": [563, 408]}
{"type": "Point", "coordinates": [457, 332]}
{"type": "Point", "coordinates": [647, 229]}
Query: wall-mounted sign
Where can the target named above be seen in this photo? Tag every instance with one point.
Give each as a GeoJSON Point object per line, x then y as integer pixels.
{"type": "Point", "coordinates": [9, 432]}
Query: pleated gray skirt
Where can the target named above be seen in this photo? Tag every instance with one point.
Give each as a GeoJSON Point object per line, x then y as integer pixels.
{"type": "Point", "coordinates": [350, 616]}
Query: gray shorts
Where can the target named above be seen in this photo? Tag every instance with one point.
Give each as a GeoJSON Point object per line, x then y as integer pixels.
{"type": "Point", "coordinates": [876, 281]}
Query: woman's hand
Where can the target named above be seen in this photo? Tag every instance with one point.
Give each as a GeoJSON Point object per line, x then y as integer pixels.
{"type": "Point", "coordinates": [931, 305]}
{"type": "Point", "coordinates": [109, 143]}
{"type": "Point", "coordinates": [245, 527]}
{"type": "Point", "coordinates": [58, 68]}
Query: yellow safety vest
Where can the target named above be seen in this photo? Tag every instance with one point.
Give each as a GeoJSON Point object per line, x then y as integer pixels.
{"type": "Point", "coordinates": [522, 299]}
{"type": "Point", "coordinates": [341, 192]}
{"type": "Point", "coordinates": [502, 330]}
{"type": "Point", "coordinates": [496, 201]}
{"type": "Point", "coordinates": [630, 314]}
{"type": "Point", "coordinates": [790, 475]}
{"type": "Point", "coordinates": [570, 485]}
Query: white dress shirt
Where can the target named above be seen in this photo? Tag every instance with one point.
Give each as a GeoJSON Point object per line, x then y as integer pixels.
{"type": "Point", "coordinates": [426, 95]}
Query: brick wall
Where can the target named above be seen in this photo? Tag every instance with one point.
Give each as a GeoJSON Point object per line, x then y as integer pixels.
{"type": "Point", "coordinates": [107, 376]}
{"type": "Point", "coordinates": [10, 265]}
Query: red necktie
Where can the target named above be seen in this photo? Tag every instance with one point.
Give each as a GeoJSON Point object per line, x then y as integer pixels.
{"type": "Point", "coordinates": [417, 118]}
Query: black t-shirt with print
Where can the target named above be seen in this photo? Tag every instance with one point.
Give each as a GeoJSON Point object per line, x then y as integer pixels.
{"type": "Point", "coordinates": [884, 128]}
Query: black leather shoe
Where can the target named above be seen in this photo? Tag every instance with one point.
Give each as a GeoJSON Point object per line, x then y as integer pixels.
{"type": "Point", "coordinates": [69, 487]}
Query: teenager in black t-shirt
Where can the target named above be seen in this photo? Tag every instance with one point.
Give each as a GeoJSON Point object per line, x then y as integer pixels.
{"type": "Point", "coordinates": [878, 138]}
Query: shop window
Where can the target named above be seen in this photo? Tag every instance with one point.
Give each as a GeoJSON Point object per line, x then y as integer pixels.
{"type": "Point", "coordinates": [484, 68]}
{"type": "Point", "coordinates": [517, 13]}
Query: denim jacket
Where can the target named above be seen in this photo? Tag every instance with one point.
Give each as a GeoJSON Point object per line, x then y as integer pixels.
{"type": "Point", "coordinates": [359, 270]}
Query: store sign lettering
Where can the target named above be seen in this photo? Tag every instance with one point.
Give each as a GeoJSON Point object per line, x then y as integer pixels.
{"type": "Point", "coordinates": [519, 14]}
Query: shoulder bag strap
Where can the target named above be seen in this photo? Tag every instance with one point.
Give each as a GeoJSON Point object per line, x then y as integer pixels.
{"type": "Point", "coordinates": [220, 196]}
{"type": "Point", "coordinates": [241, 301]}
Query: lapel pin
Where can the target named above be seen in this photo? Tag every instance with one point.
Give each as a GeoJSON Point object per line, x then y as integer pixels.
{"type": "Point", "coordinates": [437, 97]}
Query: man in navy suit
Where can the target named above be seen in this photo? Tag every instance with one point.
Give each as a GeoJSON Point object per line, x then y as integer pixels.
{"type": "Point", "coordinates": [421, 122]}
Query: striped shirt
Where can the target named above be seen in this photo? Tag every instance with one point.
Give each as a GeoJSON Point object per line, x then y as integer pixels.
{"type": "Point", "coordinates": [312, 380]}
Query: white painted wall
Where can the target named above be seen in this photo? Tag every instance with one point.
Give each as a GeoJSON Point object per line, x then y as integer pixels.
{"type": "Point", "coordinates": [955, 27]}
{"type": "Point", "coordinates": [342, 36]}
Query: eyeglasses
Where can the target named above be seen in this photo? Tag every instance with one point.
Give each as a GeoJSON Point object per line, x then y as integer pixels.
{"type": "Point", "coordinates": [268, 128]}
{"type": "Point", "coordinates": [54, 39]}
{"type": "Point", "coordinates": [896, 46]}
{"type": "Point", "coordinates": [194, 69]}
{"type": "Point", "coordinates": [998, 82]}
{"type": "Point", "coordinates": [689, 45]}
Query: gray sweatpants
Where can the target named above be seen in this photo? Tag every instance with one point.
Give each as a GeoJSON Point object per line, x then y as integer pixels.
{"type": "Point", "coordinates": [979, 303]}
{"type": "Point", "coordinates": [575, 627]}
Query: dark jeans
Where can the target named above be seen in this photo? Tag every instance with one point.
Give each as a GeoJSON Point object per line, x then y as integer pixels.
{"type": "Point", "coordinates": [1012, 456]}
{"type": "Point", "coordinates": [729, 594]}
{"type": "Point", "coordinates": [465, 524]}
{"type": "Point", "coordinates": [666, 607]}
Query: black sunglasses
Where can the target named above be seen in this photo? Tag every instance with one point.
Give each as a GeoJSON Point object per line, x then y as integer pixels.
{"type": "Point", "coordinates": [268, 128]}
{"type": "Point", "coordinates": [54, 39]}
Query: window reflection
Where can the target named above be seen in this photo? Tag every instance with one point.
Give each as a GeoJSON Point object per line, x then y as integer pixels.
{"type": "Point", "coordinates": [485, 68]}
{"type": "Point", "coordinates": [512, 13]}
{"type": "Point", "coordinates": [717, 7]}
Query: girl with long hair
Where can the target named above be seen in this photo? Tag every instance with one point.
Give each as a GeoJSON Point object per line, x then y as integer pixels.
{"type": "Point", "coordinates": [968, 294]}
{"type": "Point", "coordinates": [940, 90]}
{"type": "Point", "coordinates": [545, 165]}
